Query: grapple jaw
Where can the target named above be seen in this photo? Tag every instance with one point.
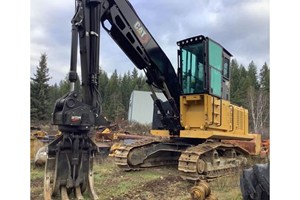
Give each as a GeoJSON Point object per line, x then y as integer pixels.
{"type": "Point", "coordinates": [69, 167]}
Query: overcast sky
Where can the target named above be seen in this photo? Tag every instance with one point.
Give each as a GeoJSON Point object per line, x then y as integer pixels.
{"type": "Point", "coordinates": [241, 26]}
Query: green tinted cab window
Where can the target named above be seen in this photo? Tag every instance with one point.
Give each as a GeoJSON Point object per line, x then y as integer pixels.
{"type": "Point", "coordinates": [215, 55]}
{"type": "Point", "coordinates": [216, 82]}
{"type": "Point", "coordinates": [192, 59]}
{"type": "Point", "coordinates": [215, 65]}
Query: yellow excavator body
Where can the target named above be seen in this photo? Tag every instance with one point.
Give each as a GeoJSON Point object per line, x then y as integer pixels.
{"type": "Point", "coordinates": [207, 117]}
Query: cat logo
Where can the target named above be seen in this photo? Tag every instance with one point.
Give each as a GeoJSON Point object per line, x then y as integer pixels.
{"type": "Point", "coordinates": [142, 33]}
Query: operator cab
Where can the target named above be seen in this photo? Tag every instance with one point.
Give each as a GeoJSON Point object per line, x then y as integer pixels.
{"type": "Point", "coordinates": [203, 67]}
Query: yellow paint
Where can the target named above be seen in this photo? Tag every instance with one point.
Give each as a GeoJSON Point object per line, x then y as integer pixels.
{"type": "Point", "coordinates": [205, 134]}
{"type": "Point", "coordinates": [35, 145]}
{"type": "Point", "coordinates": [161, 133]}
{"type": "Point", "coordinates": [207, 117]}
{"type": "Point", "coordinates": [106, 131]}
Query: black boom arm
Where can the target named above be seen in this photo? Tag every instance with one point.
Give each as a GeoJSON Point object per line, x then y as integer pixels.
{"type": "Point", "coordinates": [122, 23]}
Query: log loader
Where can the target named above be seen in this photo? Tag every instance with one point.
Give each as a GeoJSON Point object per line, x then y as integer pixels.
{"type": "Point", "coordinates": [191, 123]}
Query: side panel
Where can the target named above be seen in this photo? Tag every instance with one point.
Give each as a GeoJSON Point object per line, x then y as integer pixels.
{"type": "Point", "coordinates": [205, 116]}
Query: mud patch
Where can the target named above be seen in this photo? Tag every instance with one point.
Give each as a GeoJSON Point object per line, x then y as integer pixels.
{"type": "Point", "coordinates": [169, 187]}
{"type": "Point", "coordinates": [36, 189]}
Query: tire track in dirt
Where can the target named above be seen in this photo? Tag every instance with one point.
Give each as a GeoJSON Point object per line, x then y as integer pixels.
{"type": "Point", "coordinates": [170, 187]}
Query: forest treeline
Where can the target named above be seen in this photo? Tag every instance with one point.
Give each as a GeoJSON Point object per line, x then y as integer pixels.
{"type": "Point", "coordinates": [249, 88]}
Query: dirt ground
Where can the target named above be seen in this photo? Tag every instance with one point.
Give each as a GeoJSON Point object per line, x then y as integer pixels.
{"type": "Point", "coordinates": [150, 184]}
{"type": "Point", "coordinates": [162, 183]}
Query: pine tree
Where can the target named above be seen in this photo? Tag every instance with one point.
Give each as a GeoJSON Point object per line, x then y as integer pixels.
{"type": "Point", "coordinates": [134, 79]}
{"type": "Point", "coordinates": [126, 90]}
{"type": "Point", "coordinates": [251, 90]}
{"type": "Point", "coordinates": [141, 83]}
{"type": "Point", "coordinates": [252, 75]}
{"type": "Point", "coordinates": [103, 81]}
{"type": "Point", "coordinates": [238, 84]}
{"type": "Point", "coordinates": [54, 94]}
{"type": "Point", "coordinates": [64, 87]}
{"type": "Point", "coordinates": [258, 99]}
{"type": "Point", "coordinates": [264, 81]}
{"type": "Point", "coordinates": [234, 82]}
{"type": "Point", "coordinates": [114, 108]}
{"type": "Point", "coordinates": [39, 93]}
{"type": "Point", "coordinates": [265, 78]}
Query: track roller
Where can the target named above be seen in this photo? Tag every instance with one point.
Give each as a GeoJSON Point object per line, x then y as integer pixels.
{"type": "Point", "coordinates": [202, 191]}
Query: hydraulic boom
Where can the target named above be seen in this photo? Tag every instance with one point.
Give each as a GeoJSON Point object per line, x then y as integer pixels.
{"type": "Point", "coordinates": [70, 157]}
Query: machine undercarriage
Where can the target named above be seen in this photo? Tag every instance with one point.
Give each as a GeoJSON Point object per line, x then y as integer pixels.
{"type": "Point", "coordinates": [204, 161]}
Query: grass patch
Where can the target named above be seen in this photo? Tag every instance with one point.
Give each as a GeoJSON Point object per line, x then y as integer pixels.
{"type": "Point", "coordinates": [36, 182]}
{"type": "Point", "coordinates": [112, 182]}
{"type": "Point", "coordinates": [227, 188]}
{"type": "Point", "coordinates": [36, 172]}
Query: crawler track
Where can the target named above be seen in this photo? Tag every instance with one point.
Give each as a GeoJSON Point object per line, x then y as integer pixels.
{"type": "Point", "coordinates": [210, 161]}
{"type": "Point", "coordinates": [148, 153]}
{"type": "Point", "coordinates": [204, 161]}
{"type": "Point", "coordinates": [121, 154]}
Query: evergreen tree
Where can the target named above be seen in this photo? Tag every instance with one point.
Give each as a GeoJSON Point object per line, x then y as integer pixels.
{"type": "Point", "coordinates": [258, 99]}
{"type": "Point", "coordinates": [64, 86]}
{"type": "Point", "coordinates": [141, 83]}
{"type": "Point", "coordinates": [54, 94]}
{"type": "Point", "coordinates": [126, 90]}
{"type": "Point", "coordinates": [265, 90]}
{"type": "Point", "coordinates": [39, 94]}
{"type": "Point", "coordinates": [114, 108]}
{"type": "Point", "coordinates": [103, 81]}
{"type": "Point", "coordinates": [134, 79]}
{"type": "Point", "coordinates": [265, 78]}
{"type": "Point", "coordinates": [246, 91]}
{"type": "Point", "coordinates": [252, 75]}
{"type": "Point", "coordinates": [244, 85]}
{"type": "Point", "coordinates": [251, 89]}
{"type": "Point", "coordinates": [234, 82]}
{"type": "Point", "coordinates": [238, 84]}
